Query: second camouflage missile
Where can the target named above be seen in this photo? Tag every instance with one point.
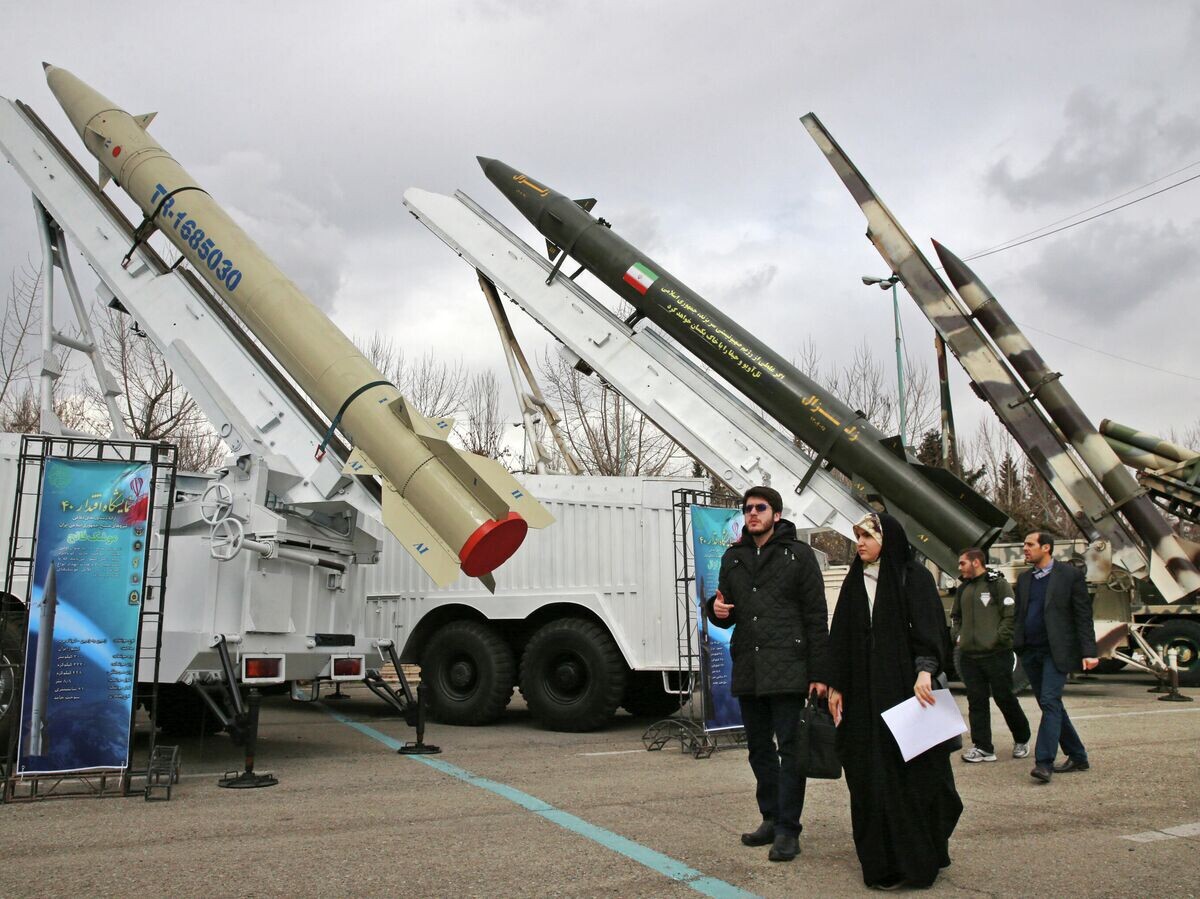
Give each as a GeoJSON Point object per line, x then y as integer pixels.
{"type": "Point", "coordinates": [452, 511]}
{"type": "Point", "coordinates": [942, 514]}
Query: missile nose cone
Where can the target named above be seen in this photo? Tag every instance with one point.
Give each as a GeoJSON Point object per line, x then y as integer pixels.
{"type": "Point", "coordinates": [956, 269]}
{"type": "Point", "coordinates": [484, 162]}
{"type": "Point", "coordinates": [46, 67]}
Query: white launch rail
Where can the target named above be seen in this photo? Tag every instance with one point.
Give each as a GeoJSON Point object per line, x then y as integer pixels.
{"type": "Point", "coordinates": [686, 402]}
{"type": "Point", "coordinates": [244, 398]}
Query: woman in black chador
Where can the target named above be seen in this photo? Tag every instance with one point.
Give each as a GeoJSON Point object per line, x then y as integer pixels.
{"type": "Point", "coordinates": [885, 645]}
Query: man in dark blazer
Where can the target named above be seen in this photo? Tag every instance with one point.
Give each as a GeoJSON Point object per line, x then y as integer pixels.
{"type": "Point", "coordinates": [1054, 635]}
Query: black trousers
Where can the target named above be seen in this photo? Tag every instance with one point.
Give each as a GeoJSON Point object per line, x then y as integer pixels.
{"type": "Point", "coordinates": [772, 724]}
{"type": "Point", "coordinates": [987, 674]}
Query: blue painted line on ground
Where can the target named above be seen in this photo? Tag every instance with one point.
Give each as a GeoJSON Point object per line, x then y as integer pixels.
{"type": "Point", "coordinates": [643, 855]}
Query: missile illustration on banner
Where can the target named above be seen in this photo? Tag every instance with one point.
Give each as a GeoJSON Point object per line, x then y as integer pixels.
{"type": "Point", "coordinates": [43, 665]}
{"type": "Point", "coordinates": [940, 512]}
{"type": "Point", "coordinates": [452, 511]}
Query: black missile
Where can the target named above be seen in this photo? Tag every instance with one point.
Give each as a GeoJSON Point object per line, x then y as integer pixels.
{"type": "Point", "coordinates": [941, 513]}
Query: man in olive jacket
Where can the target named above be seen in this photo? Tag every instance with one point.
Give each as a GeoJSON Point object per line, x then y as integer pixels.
{"type": "Point", "coordinates": [983, 615]}
{"type": "Point", "coordinates": [771, 587]}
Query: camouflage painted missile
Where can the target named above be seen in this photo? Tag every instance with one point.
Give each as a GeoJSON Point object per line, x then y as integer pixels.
{"type": "Point", "coordinates": [991, 378]}
{"type": "Point", "coordinates": [1172, 570]}
{"type": "Point", "coordinates": [1136, 457]}
{"type": "Point", "coordinates": [1142, 440]}
{"type": "Point", "coordinates": [941, 513]}
{"type": "Point", "coordinates": [452, 511]}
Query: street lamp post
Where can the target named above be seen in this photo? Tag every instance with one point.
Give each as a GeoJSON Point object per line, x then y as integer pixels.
{"type": "Point", "coordinates": [884, 284]}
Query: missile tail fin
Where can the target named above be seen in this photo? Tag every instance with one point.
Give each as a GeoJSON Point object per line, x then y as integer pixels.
{"type": "Point", "coordinates": [103, 178]}
{"type": "Point", "coordinates": [552, 251]}
{"type": "Point", "coordinates": [488, 581]}
{"type": "Point", "coordinates": [359, 464]}
{"type": "Point", "coordinates": [493, 477]}
{"type": "Point", "coordinates": [145, 119]}
{"type": "Point", "coordinates": [587, 205]}
{"type": "Point", "coordinates": [420, 540]}
{"type": "Point", "coordinates": [427, 430]}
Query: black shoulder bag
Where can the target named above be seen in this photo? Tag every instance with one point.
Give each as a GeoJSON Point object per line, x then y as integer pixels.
{"type": "Point", "coordinates": [816, 742]}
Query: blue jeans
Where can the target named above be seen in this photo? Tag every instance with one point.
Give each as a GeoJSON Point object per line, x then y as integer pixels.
{"type": "Point", "coordinates": [1055, 728]}
{"type": "Point", "coordinates": [780, 788]}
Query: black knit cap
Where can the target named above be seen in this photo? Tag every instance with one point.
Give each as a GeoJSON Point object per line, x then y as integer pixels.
{"type": "Point", "coordinates": [769, 494]}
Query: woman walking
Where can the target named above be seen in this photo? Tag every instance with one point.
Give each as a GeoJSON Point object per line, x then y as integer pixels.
{"type": "Point", "coordinates": [885, 645]}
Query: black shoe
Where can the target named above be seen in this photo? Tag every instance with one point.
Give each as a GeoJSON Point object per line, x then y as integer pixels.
{"type": "Point", "coordinates": [892, 883]}
{"type": "Point", "coordinates": [785, 848]}
{"type": "Point", "coordinates": [760, 837]}
{"type": "Point", "coordinates": [1071, 765]}
{"type": "Point", "coordinates": [1042, 773]}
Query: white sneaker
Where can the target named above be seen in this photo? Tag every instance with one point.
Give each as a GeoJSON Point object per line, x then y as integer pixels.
{"type": "Point", "coordinates": [1021, 750]}
{"type": "Point", "coordinates": [975, 754]}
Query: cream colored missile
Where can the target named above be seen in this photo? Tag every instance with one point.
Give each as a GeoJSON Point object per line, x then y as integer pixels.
{"type": "Point", "coordinates": [453, 511]}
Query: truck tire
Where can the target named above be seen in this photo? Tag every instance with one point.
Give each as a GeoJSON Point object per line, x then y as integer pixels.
{"type": "Point", "coordinates": [1184, 636]}
{"type": "Point", "coordinates": [645, 697]}
{"type": "Point", "coordinates": [467, 669]}
{"type": "Point", "coordinates": [572, 675]}
{"type": "Point", "coordinates": [12, 659]}
{"type": "Point", "coordinates": [182, 713]}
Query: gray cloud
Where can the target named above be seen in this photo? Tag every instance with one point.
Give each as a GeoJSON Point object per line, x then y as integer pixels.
{"type": "Point", "coordinates": [1113, 269]}
{"type": "Point", "coordinates": [1102, 149]}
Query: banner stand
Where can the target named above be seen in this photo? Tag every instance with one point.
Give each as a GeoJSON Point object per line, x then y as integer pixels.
{"type": "Point", "coordinates": [81, 619]}
{"type": "Point", "coordinates": [700, 727]}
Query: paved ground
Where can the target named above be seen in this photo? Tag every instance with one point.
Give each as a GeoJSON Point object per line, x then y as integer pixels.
{"type": "Point", "coordinates": [513, 810]}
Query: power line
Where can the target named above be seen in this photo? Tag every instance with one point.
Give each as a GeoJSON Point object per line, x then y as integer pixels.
{"type": "Point", "coordinates": [1068, 218]}
{"type": "Point", "coordinates": [1090, 218]}
{"type": "Point", "coordinates": [1084, 346]}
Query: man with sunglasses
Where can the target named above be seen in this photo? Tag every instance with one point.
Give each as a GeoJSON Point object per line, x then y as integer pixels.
{"type": "Point", "coordinates": [771, 587]}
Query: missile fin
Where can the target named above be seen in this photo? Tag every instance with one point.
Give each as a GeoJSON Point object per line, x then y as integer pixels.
{"type": "Point", "coordinates": [488, 581]}
{"type": "Point", "coordinates": [588, 204]}
{"type": "Point", "coordinates": [552, 251]}
{"type": "Point", "coordinates": [145, 119]}
{"type": "Point", "coordinates": [498, 480]}
{"type": "Point", "coordinates": [436, 431]}
{"type": "Point", "coordinates": [103, 178]}
{"type": "Point", "coordinates": [359, 464]}
{"type": "Point", "coordinates": [420, 540]}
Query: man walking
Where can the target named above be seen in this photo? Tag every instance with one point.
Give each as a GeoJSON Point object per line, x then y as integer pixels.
{"type": "Point", "coordinates": [1054, 635]}
{"type": "Point", "coordinates": [770, 586]}
{"type": "Point", "coordinates": [983, 614]}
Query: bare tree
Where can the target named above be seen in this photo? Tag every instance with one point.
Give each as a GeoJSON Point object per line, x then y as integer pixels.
{"type": "Point", "coordinates": [606, 432]}
{"type": "Point", "coordinates": [154, 405]}
{"type": "Point", "coordinates": [436, 387]}
{"type": "Point", "coordinates": [483, 427]}
{"type": "Point", "coordinates": [16, 327]}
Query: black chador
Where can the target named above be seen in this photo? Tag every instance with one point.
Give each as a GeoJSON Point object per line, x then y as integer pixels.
{"type": "Point", "coordinates": [902, 812]}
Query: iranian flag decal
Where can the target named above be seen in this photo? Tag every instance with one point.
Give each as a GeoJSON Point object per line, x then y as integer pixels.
{"type": "Point", "coordinates": [640, 278]}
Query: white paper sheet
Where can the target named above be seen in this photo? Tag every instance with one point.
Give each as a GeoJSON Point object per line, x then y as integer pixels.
{"type": "Point", "coordinates": [918, 728]}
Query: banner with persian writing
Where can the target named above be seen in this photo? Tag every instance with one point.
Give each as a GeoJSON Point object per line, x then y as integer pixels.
{"type": "Point", "coordinates": [85, 614]}
{"type": "Point", "coordinates": [713, 531]}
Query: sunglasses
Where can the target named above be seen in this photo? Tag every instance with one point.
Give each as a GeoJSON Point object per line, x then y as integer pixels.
{"type": "Point", "coordinates": [755, 507]}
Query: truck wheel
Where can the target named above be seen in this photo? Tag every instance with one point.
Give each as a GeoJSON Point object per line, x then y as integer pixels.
{"type": "Point", "coordinates": [1020, 678]}
{"type": "Point", "coordinates": [1183, 636]}
{"type": "Point", "coordinates": [467, 669]}
{"type": "Point", "coordinates": [645, 697]}
{"type": "Point", "coordinates": [572, 675]}
{"type": "Point", "coordinates": [12, 659]}
{"type": "Point", "coordinates": [182, 713]}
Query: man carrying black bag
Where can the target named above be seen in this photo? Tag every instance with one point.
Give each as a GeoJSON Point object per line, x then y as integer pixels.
{"type": "Point", "coordinates": [770, 586]}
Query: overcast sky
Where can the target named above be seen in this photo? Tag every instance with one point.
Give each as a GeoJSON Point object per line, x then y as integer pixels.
{"type": "Point", "coordinates": [975, 123]}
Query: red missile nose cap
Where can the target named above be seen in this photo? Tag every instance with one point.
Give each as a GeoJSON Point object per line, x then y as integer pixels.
{"type": "Point", "coordinates": [491, 544]}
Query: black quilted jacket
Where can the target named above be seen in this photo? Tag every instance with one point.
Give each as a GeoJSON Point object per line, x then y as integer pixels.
{"type": "Point", "coordinates": [778, 597]}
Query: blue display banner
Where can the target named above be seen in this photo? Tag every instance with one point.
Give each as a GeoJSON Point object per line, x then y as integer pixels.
{"type": "Point", "coordinates": [713, 531]}
{"type": "Point", "coordinates": [85, 614]}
